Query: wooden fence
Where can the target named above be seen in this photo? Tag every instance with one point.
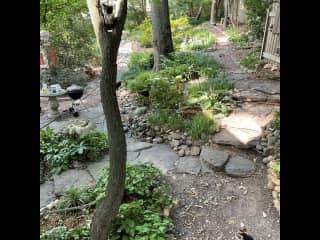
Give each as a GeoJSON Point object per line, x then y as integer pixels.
{"type": "Point", "coordinates": [271, 40]}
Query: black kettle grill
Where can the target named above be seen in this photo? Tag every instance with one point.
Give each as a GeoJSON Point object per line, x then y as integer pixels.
{"type": "Point", "coordinates": [75, 93]}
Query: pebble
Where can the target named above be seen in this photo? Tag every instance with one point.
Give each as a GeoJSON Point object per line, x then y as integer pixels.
{"type": "Point", "coordinates": [181, 153]}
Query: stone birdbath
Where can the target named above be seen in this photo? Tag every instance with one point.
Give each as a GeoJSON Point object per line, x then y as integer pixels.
{"type": "Point", "coordinates": [53, 103]}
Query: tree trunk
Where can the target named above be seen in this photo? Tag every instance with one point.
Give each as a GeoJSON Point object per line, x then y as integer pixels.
{"type": "Point", "coordinates": [226, 13]}
{"type": "Point", "coordinates": [213, 12]}
{"type": "Point", "coordinates": [199, 13]}
{"type": "Point", "coordinates": [161, 31]}
{"type": "Point", "coordinates": [109, 42]}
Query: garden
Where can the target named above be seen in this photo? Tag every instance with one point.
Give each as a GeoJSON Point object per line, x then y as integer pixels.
{"type": "Point", "coordinates": [194, 150]}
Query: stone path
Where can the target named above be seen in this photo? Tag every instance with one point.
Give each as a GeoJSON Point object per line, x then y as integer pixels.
{"type": "Point", "coordinates": [256, 99]}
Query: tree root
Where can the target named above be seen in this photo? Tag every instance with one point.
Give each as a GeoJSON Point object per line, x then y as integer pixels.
{"type": "Point", "coordinates": [69, 209]}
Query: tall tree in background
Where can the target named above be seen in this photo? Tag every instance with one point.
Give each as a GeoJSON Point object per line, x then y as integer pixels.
{"type": "Point", "coordinates": [109, 42]}
{"type": "Point", "coordinates": [161, 31]}
{"type": "Point", "coordinates": [213, 12]}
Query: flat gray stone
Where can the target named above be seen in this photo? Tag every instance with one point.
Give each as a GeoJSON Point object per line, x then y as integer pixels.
{"type": "Point", "coordinates": [46, 193]}
{"type": "Point", "coordinates": [225, 137]}
{"type": "Point", "coordinates": [76, 178]}
{"type": "Point", "coordinates": [239, 167]}
{"type": "Point", "coordinates": [95, 168]}
{"type": "Point", "coordinates": [161, 156]}
{"type": "Point", "coordinates": [215, 159]}
{"type": "Point", "coordinates": [191, 165]}
{"type": "Point", "coordinates": [133, 146]}
{"type": "Point", "coordinates": [132, 156]}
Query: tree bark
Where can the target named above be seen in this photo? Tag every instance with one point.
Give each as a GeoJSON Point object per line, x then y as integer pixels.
{"type": "Point", "coordinates": [199, 12]}
{"type": "Point", "coordinates": [213, 12]}
{"type": "Point", "coordinates": [109, 42]}
{"type": "Point", "coordinates": [161, 31]}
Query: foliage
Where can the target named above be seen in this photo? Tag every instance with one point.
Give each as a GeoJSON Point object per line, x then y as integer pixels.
{"type": "Point", "coordinates": [71, 32]}
{"type": "Point", "coordinates": [167, 118]}
{"type": "Point", "coordinates": [63, 76]}
{"type": "Point", "coordinates": [200, 125]}
{"type": "Point", "coordinates": [63, 233]}
{"type": "Point", "coordinates": [190, 8]}
{"type": "Point", "coordinates": [146, 196]}
{"type": "Point", "coordinates": [210, 94]}
{"type": "Point", "coordinates": [276, 120]}
{"type": "Point", "coordinates": [256, 15]}
{"type": "Point", "coordinates": [58, 150]}
{"type": "Point", "coordinates": [276, 167]}
{"type": "Point", "coordinates": [238, 39]}
{"type": "Point", "coordinates": [166, 93]}
{"type": "Point", "coordinates": [136, 14]}
{"type": "Point", "coordinates": [250, 61]}
{"type": "Point", "coordinates": [202, 63]}
{"type": "Point", "coordinates": [198, 39]}
{"type": "Point", "coordinates": [73, 197]}
{"type": "Point", "coordinates": [138, 62]}
{"type": "Point", "coordinates": [145, 29]}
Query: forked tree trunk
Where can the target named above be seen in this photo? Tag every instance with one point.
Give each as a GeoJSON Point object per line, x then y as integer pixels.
{"type": "Point", "coordinates": [109, 42]}
{"type": "Point", "coordinates": [161, 31]}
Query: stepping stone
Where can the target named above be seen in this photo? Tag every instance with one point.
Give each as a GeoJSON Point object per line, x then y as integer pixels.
{"type": "Point", "coordinates": [95, 168]}
{"type": "Point", "coordinates": [46, 193]}
{"type": "Point", "coordinates": [133, 146]}
{"type": "Point", "coordinates": [215, 159]}
{"type": "Point", "coordinates": [76, 178]}
{"type": "Point", "coordinates": [239, 167]}
{"type": "Point", "coordinates": [243, 128]}
{"type": "Point", "coordinates": [189, 164]}
{"type": "Point", "coordinates": [161, 156]}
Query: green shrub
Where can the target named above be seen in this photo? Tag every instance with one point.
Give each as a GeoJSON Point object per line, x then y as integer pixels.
{"type": "Point", "coordinates": [58, 150]}
{"type": "Point", "coordinates": [250, 61]}
{"type": "Point", "coordinates": [210, 94]}
{"type": "Point", "coordinates": [166, 93]}
{"type": "Point", "coordinates": [167, 118]}
{"type": "Point", "coordinates": [197, 39]}
{"type": "Point", "coordinates": [138, 62]}
{"type": "Point", "coordinates": [238, 39]}
{"type": "Point", "coordinates": [142, 60]}
{"type": "Point", "coordinates": [146, 196]}
{"type": "Point", "coordinates": [145, 37]}
{"type": "Point", "coordinates": [63, 233]}
{"type": "Point", "coordinates": [276, 120]}
{"type": "Point", "coordinates": [141, 83]}
{"type": "Point", "coordinates": [200, 125]}
{"type": "Point", "coordinates": [63, 76]}
{"type": "Point", "coordinates": [256, 14]}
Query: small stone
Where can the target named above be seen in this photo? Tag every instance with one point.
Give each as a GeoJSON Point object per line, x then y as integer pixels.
{"type": "Point", "coordinates": [276, 204]}
{"type": "Point", "coordinates": [277, 188]}
{"type": "Point", "coordinates": [259, 147]}
{"type": "Point", "coordinates": [184, 147]}
{"type": "Point", "coordinates": [195, 150]}
{"type": "Point", "coordinates": [175, 143]}
{"type": "Point", "coordinates": [175, 148]}
{"type": "Point", "coordinates": [149, 139]}
{"type": "Point", "coordinates": [270, 185]}
{"type": "Point", "coordinates": [166, 212]}
{"type": "Point", "coordinates": [176, 136]}
{"type": "Point", "coordinates": [185, 134]}
{"type": "Point", "coordinates": [276, 181]}
{"type": "Point", "coordinates": [271, 140]}
{"type": "Point", "coordinates": [139, 111]}
{"type": "Point", "coordinates": [181, 153]}
{"type": "Point", "coordinates": [266, 160]}
{"type": "Point", "coordinates": [187, 152]}
{"type": "Point", "coordinates": [274, 194]}
{"type": "Point", "coordinates": [157, 128]}
{"type": "Point", "coordinates": [189, 143]}
{"type": "Point", "coordinates": [157, 140]}
{"type": "Point", "coordinates": [150, 133]}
